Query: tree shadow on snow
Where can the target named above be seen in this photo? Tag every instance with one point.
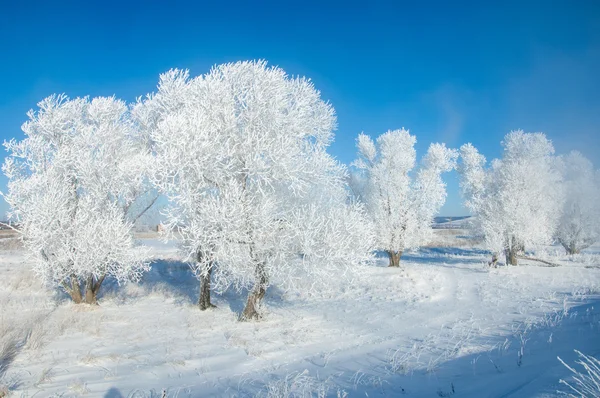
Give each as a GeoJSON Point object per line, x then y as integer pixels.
{"type": "Point", "coordinates": [522, 362]}
{"type": "Point", "coordinates": [274, 298]}
{"type": "Point", "coordinates": [455, 251]}
{"type": "Point", "coordinates": [177, 277]}
{"type": "Point", "coordinates": [236, 301]}
{"type": "Point", "coordinates": [113, 393]}
{"type": "Point", "coordinates": [444, 256]}
{"type": "Point", "coordinates": [169, 276]}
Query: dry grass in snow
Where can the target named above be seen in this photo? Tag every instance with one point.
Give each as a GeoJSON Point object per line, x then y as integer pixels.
{"type": "Point", "coordinates": [443, 325]}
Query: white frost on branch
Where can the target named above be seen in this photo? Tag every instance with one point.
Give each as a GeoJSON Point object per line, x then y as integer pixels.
{"type": "Point", "coordinates": [74, 184]}
{"type": "Point", "coordinates": [516, 201]}
{"type": "Point", "coordinates": [241, 154]}
{"type": "Point", "coordinates": [401, 201]}
{"type": "Point", "coordinates": [579, 225]}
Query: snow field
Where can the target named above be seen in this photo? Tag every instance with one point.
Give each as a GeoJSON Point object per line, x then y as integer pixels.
{"type": "Point", "coordinates": [445, 325]}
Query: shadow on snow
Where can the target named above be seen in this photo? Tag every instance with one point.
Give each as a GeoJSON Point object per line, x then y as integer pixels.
{"type": "Point", "coordinates": [523, 362]}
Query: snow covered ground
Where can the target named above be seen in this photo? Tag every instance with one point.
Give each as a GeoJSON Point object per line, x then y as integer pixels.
{"type": "Point", "coordinates": [445, 325]}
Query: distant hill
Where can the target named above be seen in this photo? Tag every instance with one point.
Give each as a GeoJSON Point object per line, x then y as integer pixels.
{"type": "Point", "coordinates": [450, 222]}
{"type": "Point", "coordinates": [441, 219]}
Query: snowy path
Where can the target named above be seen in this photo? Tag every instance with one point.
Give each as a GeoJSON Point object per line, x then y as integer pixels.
{"type": "Point", "coordinates": [444, 322]}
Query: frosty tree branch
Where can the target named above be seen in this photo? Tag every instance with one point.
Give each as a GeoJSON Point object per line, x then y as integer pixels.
{"type": "Point", "coordinates": [402, 205]}
{"type": "Point", "coordinates": [71, 181]}
{"type": "Point", "coordinates": [517, 201]}
{"type": "Point", "coordinates": [241, 154]}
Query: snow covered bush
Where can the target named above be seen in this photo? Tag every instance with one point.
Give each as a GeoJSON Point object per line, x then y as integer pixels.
{"type": "Point", "coordinates": [579, 225]}
{"type": "Point", "coordinates": [256, 199]}
{"type": "Point", "coordinates": [517, 201]}
{"type": "Point", "coordinates": [401, 202]}
{"type": "Point", "coordinates": [77, 183]}
{"type": "Point", "coordinates": [301, 385]}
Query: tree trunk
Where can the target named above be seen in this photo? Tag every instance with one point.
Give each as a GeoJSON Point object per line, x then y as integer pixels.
{"type": "Point", "coordinates": [571, 248]}
{"type": "Point", "coordinates": [511, 255]}
{"type": "Point", "coordinates": [204, 299]}
{"type": "Point", "coordinates": [75, 290]}
{"type": "Point", "coordinates": [90, 298]}
{"type": "Point", "coordinates": [257, 294]}
{"type": "Point", "coordinates": [394, 258]}
{"type": "Point", "coordinates": [92, 287]}
{"type": "Point", "coordinates": [512, 250]}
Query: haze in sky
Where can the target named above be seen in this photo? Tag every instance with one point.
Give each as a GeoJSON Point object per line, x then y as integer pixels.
{"type": "Point", "coordinates": [452, 72]}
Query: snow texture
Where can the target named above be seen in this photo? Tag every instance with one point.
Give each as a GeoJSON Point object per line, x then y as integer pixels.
{"type": "Point", "coordinates": [446, 325]}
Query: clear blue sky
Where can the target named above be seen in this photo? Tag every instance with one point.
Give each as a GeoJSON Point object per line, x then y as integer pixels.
{"type": "Point", "coordinates": [453, 71]}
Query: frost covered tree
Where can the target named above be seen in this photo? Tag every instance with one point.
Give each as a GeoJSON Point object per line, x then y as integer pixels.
{"type": "Point", "coordinates": [241, 154]}
{"type": "Point", "coordinates": [187, 172]}
{"type": "Point", "coordinates": [517, 201]}
{"type": "Point", "coordinates": [400, 200]}
{"type": "Point", "coordinates": [77, 183]}
{"type": "Point", "coordinates": [579, 225]}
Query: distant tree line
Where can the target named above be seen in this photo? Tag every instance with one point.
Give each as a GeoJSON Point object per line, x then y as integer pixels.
{"type": "Point", "coordinates": [253, 196]}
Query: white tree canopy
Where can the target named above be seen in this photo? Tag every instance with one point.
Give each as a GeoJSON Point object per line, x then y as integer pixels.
{"type": "Point", "coordinates": [74, 183]}
{"type": "Point", "coordinates": [579, 225]}
{"type": "Point", "coordinates": [401, 201]}
{"type": "Point", "coordinates": [517, 201]}
{"type": "Point", "coordinates": [241, 154]}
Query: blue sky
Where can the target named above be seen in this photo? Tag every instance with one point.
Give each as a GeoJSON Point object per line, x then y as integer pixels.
{"type": "Point", "coordinates": [451, 72]}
